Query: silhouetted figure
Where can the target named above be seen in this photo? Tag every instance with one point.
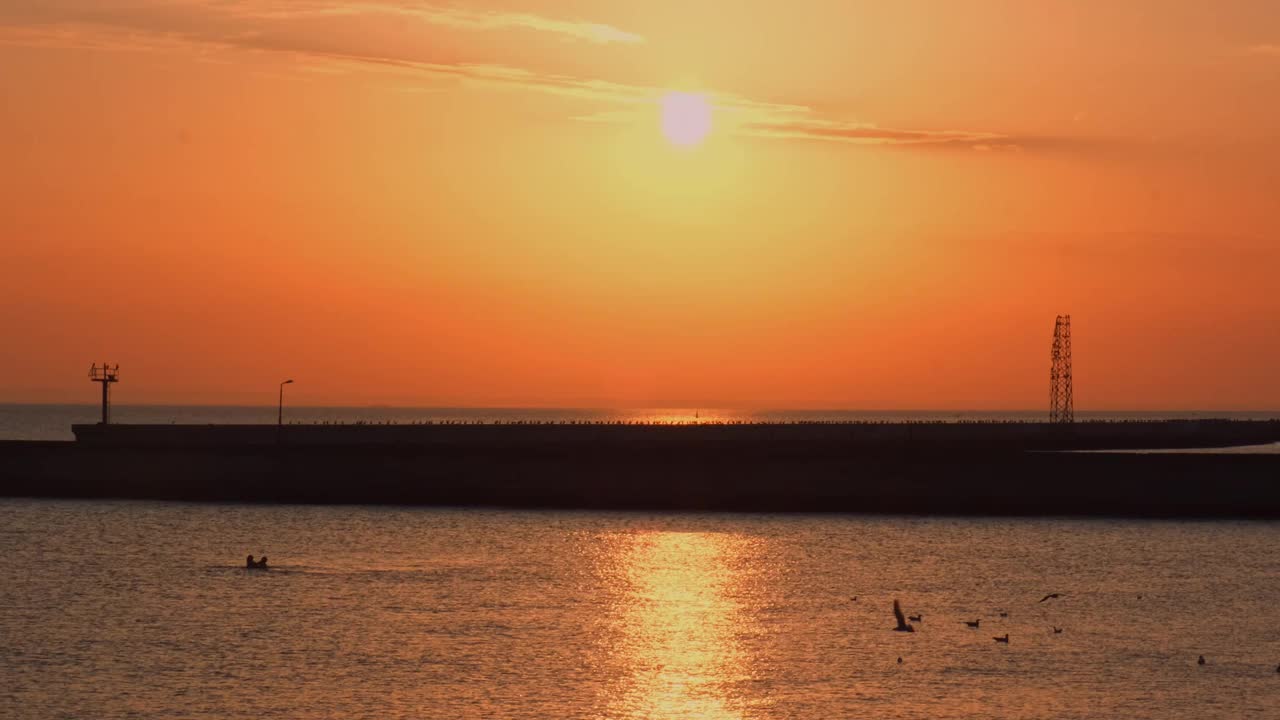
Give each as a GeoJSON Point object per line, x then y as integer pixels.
{"type": "Point", "coordinates": [262, 564]}
{"type": "Point", "coordinates": [1004, 614]}
{"type": "Point", "coordinates": [1200, 661]}
{"type": "Point", "coordinates": [248, 562]}
{"type": "Point", "coordinates": [1052, 596]}
{"type": "Point", "coordinates": [899, 661]}
{"type": "Point", "coordinates": [1004, 639]}
{"type": "Point", "coordinates": [1056, 630]}
{"type": "Point", "coordinates": [902, 619]}
{"type": "Point", "coordinates": [973, 624]}
{"type": "Point", "coordinates": [916, 618]}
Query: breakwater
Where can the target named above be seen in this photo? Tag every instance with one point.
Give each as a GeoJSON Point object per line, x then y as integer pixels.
{"type": "Point", "coordinates": [946, 468]}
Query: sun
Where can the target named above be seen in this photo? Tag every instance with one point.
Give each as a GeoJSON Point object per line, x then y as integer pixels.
{"type": "Point", "coordinates": [686, 118]}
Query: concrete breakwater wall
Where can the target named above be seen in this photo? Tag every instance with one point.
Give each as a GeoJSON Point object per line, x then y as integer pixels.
{"type": "Point", "coordinates": [945, 470]}
{"type": "Point", "coordinates": [821, 438]}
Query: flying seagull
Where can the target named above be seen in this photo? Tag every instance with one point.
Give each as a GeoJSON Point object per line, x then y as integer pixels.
{"type": "Point", "coordinates": [902, 619]}
{"type": "Point", "coordinates": [1051, 596]}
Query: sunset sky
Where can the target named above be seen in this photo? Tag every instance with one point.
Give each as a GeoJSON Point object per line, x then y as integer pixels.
{"type": "Point", "coordinates": [513, 203]}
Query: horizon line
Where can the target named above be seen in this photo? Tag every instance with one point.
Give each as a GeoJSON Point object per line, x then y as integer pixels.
{"type": "Point", "coordinates": [601, 408]}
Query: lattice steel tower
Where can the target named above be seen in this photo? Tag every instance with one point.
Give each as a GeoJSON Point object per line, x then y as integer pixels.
{"type": "Point", "coordinates": [1061, 405]}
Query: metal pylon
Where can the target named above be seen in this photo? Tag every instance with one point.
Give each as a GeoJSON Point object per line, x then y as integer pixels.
{"type": "Point", "coordinates": [1061, 403]}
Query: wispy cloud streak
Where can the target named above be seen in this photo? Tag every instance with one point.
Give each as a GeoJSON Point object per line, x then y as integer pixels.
{"type": "Point", "coordinates": [253, 25]}
{"type": "Point", "coordinates": [447, 16]}
{"type": "Point", "coordinates": [867, 134]}
{"type": "Point", "coordinates": [1264, 50]}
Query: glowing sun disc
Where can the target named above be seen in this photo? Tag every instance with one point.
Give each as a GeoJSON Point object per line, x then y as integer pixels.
{"type": "Point", "coordinates": [686, 118]}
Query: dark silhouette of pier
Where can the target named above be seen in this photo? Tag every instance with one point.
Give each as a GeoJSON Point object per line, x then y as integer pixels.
{"type": "Point", "coordinates": [996, 468]}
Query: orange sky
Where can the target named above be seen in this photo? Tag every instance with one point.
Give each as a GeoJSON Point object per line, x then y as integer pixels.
{"type": "Point", "coordinates": [423, 203]}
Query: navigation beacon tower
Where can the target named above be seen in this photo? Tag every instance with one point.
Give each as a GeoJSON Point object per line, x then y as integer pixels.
{"type": "Point", "coordinates": [105, 375]}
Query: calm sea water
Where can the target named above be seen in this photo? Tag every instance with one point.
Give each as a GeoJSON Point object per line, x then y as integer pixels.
{"type": "Point", "coordinates": [53, 422]}
{"type": "Point", "coordinates": [141, 610]}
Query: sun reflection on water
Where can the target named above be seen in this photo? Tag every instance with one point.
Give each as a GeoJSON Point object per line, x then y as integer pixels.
{"type": "Point", "coordinates": [679, 616]}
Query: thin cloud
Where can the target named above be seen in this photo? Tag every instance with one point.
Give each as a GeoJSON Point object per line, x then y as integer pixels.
{"type": "Point", "coordinates": [239, 28]}
{"type": "Point", "coordinates": [867, 134]}
{"type": "Point", "coordinates": [453, 17]}
{"type": "Point", "coordinates": [589, 31]}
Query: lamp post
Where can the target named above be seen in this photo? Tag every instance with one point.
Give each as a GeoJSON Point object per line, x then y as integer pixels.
{"type": "Point", "coordinates": [280, 413]}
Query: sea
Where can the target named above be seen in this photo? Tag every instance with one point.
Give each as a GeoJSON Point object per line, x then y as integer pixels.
{"type": "Point", "coordinates": [113, 609]}
{"type": "Point", "coordinates": [131, 609]}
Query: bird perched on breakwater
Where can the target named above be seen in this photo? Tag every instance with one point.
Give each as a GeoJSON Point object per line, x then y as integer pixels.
{"type": "Point", "coordinates": [973, 624]}
{"type": "Point", "coordinates": [903, 625]}
{"type": "Point", "coordinates": [1051, 596]}
{"type": "Point", "coordinates": [1004, 639]}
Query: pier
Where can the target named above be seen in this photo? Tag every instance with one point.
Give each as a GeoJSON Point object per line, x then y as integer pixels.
{"type": "Point", "coordinates": [916, 468]}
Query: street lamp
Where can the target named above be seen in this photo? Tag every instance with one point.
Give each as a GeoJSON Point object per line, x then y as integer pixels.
{"type": "Point", "coordinates": [280, 414]}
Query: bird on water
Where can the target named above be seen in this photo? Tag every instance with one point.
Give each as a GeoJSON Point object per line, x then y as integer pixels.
{"type": "Point", "coordinates": [903, 625]}
{"type": "Point", "coordinates": [973, 624]}
{"type": "Point", "coordinates": [916, 618]}
{"type": "Point", "coordinates": [1004, 639]}
{"type": "Point", "coordinates": [1200, 661]}
{"type": "Point", "coordinates": [1056, 630]}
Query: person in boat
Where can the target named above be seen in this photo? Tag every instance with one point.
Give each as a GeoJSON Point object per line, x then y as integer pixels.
{"type": "Point", "coordinates": [262, 564]}
{"type": "Point", "coordinates": [249, 563]}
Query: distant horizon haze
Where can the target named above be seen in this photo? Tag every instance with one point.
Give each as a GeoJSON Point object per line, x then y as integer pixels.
{"type": "Point", "coordinates": [96, 404]}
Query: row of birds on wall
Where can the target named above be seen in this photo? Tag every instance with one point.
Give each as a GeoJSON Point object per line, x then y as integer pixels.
{"type": "Point", "coordinates": [904, 623]}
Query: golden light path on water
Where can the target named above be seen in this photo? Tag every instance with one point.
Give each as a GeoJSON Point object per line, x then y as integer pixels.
{"type": "Point", "coordinates": [678, 615]}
